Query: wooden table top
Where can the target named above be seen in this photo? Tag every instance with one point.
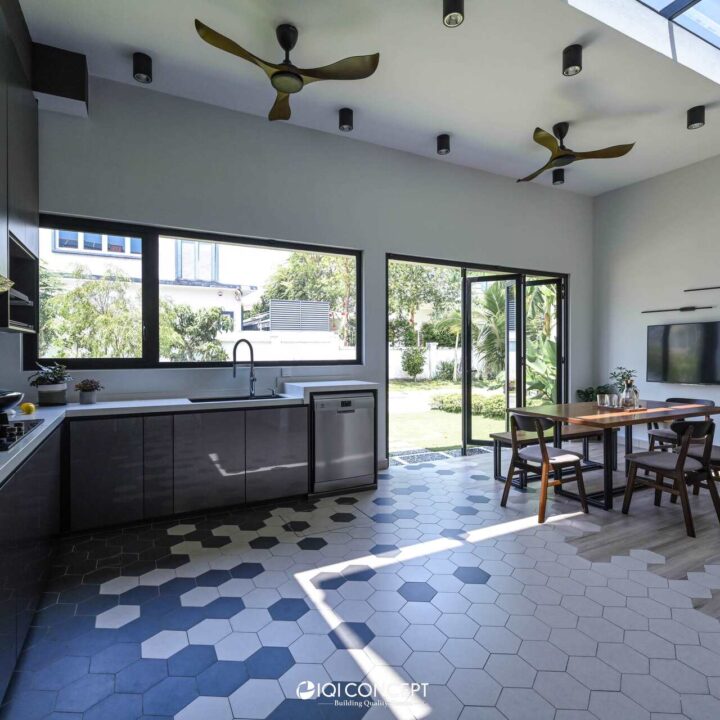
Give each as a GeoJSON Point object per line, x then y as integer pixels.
{"type": "Point", "coordinates": [588, 413]}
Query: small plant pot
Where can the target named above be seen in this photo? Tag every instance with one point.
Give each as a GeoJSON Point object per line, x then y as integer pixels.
{"type": "Point", "coordinates": [52, 394]}
{"type": "Point", "coordinates": [88, 397]}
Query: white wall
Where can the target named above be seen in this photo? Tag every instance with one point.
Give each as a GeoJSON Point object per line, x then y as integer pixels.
{"type": "Point", "coordinates": [145, 157]}
{"type": "Point", "coordinates": [653, 240]}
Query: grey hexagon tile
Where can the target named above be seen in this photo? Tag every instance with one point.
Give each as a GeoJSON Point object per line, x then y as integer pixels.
{"type": "Point", "coordinates": [474, 687]}
{"type": "Point", "coordinates": [164, 644]}
{"type": "Point", "coordinates": [611, 706]}
{"type": "Point", "coordinates": [542, 655]}
{"type": "Point", "coordinates": [594, 674]}
{"type": "Point", "coordinates": [524, 703]}
{"type": "Point", "coordinates": [510, 671]}
{"type": "Point", "coordinates": [651, 694]}
{"type": "Point", "coordinates": [256, 699]}
{"type": "Point", "coordinates": [562, 690]}
{"type": "Point", "coordinates": [678, 676]}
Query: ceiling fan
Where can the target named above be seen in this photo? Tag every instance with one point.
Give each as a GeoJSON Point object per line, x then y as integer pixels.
{"type": "Point", "coordinates": [560, 156]}
{"type": "Point", "coordinates": [285, 77]}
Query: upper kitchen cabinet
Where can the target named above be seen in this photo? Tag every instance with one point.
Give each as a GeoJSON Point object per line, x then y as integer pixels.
{"type": "Point", "coordinates": [22, 153]}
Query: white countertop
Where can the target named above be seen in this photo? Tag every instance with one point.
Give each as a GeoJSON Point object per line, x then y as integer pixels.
{"type": "Point", "coordinates": [305, 389]}
{"type": "Point", "coordinates": [295, 394]}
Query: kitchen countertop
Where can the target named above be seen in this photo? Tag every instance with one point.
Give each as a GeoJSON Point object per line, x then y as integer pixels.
{"type": "Point", "coordinates": [305, 389]}
{"type": "Point", "coordinates": [295, 394]}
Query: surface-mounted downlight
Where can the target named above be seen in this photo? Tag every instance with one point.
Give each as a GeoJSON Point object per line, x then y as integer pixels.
{"type": "Point", "coordinates": [572, 60]}
{"type": "Point", "coordinates": [696, 117]}
{"type": "Point", "coordinates": [559, 176]}
{"type": "Point", "coordinates": [142, 68]}
{"type": "Point", "coordinates": [345, 119]}
{"type": "Point", "coordinates": [287, 82]}
{"type": "Point", "coordinates": [453, 12]}
{"type": "Point", "coordinates": [443, 144]}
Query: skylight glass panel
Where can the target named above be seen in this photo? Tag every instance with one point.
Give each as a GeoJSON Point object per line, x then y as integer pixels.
{"type": "Point", "coordinates": [703, 19]}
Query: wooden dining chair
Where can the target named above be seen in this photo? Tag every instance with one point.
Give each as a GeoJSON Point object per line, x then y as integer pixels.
{"type": "Point", "coordinates": [549, 459]}
{"type": "Point", "coordinates": [709, 477]}
{"type": "Point", "coordinates": [675, 466]}
{"type": "Point", "coordinates": [661, 436]}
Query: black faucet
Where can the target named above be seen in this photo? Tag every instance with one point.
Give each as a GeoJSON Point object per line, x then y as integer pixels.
{"type": "Point", "coordinates": [253, 379]}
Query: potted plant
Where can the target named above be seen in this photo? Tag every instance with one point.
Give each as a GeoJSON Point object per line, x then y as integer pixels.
{"type": "Point", "coordinates": [624, 378]}
{"type": "Point", "coordinates": [88, 390]}
{"type": "Point", "coordinates": [51, 383]}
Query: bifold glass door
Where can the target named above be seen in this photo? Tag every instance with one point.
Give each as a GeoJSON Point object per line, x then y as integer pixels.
{"type": "Point", "coordinates": [492, 367]}
{"type": "Point", "coordinates": [513, 349]}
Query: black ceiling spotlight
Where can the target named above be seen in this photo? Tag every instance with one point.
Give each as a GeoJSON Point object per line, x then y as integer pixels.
{"type": "Point", "coordinates": [696, 117]}
{"type": "Point", "coordinates": [453, 13]}
{"type": "Point", "coordinates": [572, 60]}
{"type": "Point", "coordinates": [345, 119]}
{"type": "Point", "coordinates": [559, 176]}
{"type": "Point", "coordinates": [443, 144]}
{"type": "Point", "coordinates": [142, 68]}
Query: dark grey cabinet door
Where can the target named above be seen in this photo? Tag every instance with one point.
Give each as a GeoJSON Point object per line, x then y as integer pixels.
{"type": "Point", "coordinates": [37, 516]}
{"type": "Point", "coordinates": [158, 465]}
{"type": "Point", "coordinates": [209, 460]}
{"type": "Point", "coordinates": [29, 522]}
{"type": "Point", "coordinates": [276, 453]}
{"type": "Point", "coordinates": [106, 472]}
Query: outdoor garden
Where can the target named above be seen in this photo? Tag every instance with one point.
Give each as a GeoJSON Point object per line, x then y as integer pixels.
{"type": "Point", "coordinates": [425, 336]}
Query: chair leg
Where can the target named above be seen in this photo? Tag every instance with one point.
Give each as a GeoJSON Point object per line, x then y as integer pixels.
{"type": "Point", "coordinates": [581, 487]}
{"type": "Point", "coordinates": [712, 487]}
{"type": "Point", "coordinates": [685, 502]}
{"type": "Point", "coordinates": [586, 448]}
{"type": "Point", "coordinates": [629, 488]}
{"type": "Point", "coordinates": [543, 492]}
{"type": "Point", "coordinates": [673, 498]}
{"type": "Point", "coordinates": [508, 482]}
{"type": "Point", "coordinates": [696, 483]}
{"type": "Point", "coordinates": [658, 493]}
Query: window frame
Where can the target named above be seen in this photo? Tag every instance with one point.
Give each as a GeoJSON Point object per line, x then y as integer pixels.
{"type": "Point", "coordinates": [150, 293]}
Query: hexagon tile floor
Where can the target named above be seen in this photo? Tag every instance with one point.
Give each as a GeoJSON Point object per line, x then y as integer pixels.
{"type": "Point", "coordinates": [427, 580]}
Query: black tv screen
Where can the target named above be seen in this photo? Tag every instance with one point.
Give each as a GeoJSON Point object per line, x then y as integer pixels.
{"type": "Point", "coordinates": [684, 353]}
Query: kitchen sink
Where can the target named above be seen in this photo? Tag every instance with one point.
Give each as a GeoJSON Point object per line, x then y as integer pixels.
{"type": "Point", "coordinates": [236, 397]}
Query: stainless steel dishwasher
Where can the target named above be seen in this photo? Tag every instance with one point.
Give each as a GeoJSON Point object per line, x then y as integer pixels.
{"type": "Point", "coordinates": [344, 441]}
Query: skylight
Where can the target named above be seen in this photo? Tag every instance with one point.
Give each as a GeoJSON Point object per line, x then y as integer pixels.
{"type": "Point", "coordinates": [701, 17]}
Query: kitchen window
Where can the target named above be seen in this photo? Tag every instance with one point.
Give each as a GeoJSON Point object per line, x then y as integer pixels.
{"type": "Point", "coordinates": [120, 296]}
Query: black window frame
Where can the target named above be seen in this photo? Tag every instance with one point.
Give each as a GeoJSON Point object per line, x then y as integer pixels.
{"type": "Point", "coordinates": [150, 293]}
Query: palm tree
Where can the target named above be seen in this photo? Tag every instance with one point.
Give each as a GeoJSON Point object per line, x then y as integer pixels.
{"type": "Point", "coordinates": [453, 323]}
{"type": "Point", "coordinates": [489, 316]}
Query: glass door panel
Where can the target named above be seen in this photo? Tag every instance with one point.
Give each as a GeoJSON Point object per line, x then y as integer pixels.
{"type": "Point", "coordinates": [492, 361]}
{"type": "Point", "coordinates": [542, 360]}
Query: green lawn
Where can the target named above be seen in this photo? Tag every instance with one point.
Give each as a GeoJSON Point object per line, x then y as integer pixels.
{"type": "Point", "coordinates": [414, 424]}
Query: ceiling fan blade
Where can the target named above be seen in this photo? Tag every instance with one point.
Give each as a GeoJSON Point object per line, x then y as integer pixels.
{"type": "Point", "coordinates": [544, 138]}
{"type": "Point", "coordinates": [281, 109]}
{"type": "Point", "coordinates": [351, 68]}
{"type": "Point", "coordinates": [615, 151]}
{"type": "Point", "coordinates": [214, 38]}
{"type": "Point", "coordinates": [545, 167]}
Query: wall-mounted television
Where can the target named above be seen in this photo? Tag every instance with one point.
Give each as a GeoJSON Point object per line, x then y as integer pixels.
{"type": "Point", "coordinates": [684, 353]}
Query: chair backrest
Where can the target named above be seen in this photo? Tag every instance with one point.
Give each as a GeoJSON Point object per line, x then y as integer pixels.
{"type": "Point", "coordinates": [692, 401]}
{"type": "Point", "coordinates": [538, 425]}
{"type": "Point", "coordinates": [689, 430]}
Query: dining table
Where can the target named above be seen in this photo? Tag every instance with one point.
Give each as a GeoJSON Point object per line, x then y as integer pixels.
{"type": "Point", "coordinates": [608, 420]}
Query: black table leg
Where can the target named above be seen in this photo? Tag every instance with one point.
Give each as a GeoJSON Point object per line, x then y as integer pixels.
{"type": "Point", "coordinates": [628, 446]}
{"type": "Point", "coordinates": [608, 468]}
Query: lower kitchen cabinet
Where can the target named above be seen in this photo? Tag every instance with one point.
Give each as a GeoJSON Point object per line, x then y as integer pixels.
{"type": "Point", "coordinates": [276, 453]}
{"type": "Point", "coordinates": [106, 471]}
{"type": "Point", "coordinates": [29, 522]}
{"type": "Point", "coordinates": [209, 459]}
{"type": "Point", "coordinates": [158, 466]}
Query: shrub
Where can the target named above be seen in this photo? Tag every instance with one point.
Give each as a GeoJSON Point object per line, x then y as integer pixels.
{"type": "Point", "coordinates": [588, 394]}
{"type": "Point", "coordinates": [445, 370]}
{"type": "Point", "coordinates": [402, 333]}
{"type": "Point", "coordinates": [413, 361]}
{"type": "Point", "coordinates": [489, 406]}
{"type": "Point", "coordinates": [437, 333]}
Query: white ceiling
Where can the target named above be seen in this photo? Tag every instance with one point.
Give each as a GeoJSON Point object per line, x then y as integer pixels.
{"type": "Point", "coordinates": [488, 83]}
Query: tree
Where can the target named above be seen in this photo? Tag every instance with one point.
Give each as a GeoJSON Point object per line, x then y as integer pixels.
{"type": "Point", "coordinates": [413, 361]}
{"type": "Point", "coordinates": [188, 335]}
{"type": "Point", "coordinates": [411, 285]}
{"type": "Point", "coordinates": [89, 316]}
{"type": "Point", "coordinates": [453, 324]}
{"type": "Point", "coordinates": [490, 345]}
{"type": "Point", "coordinates": [320, 278]}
